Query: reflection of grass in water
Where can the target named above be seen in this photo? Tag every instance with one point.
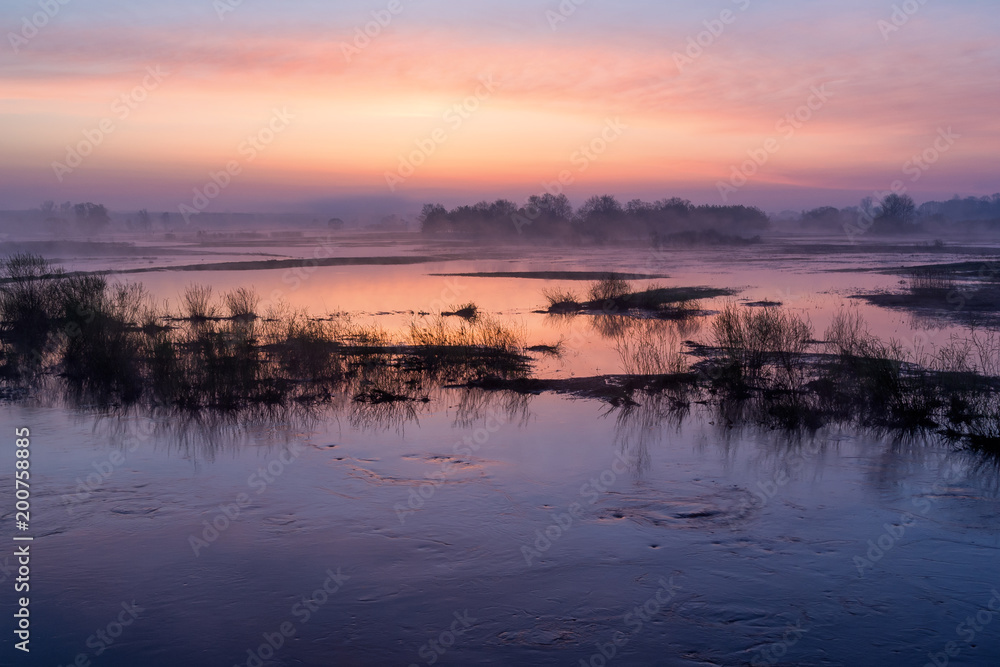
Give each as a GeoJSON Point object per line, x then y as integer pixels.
{"type": "Point", "coordinates": [612, 295]}
{"type": "Point", "coordinates": [929, 280]}
{"type": "Point", "coordinates": [197, 302]}
{"type": "Point", "coordinates": [114, 346]}
{"type": "Point", "coordinates": [561, 300]}
{"type": "Point", "coordinates": [651, 347]}
{"type": "Point", "coordinates": [468, 311]}
{"type": "Point", "coordinates": [110, 345]}
{"type": "Point", "coordinates": [758, 340]}
{"type": "Point", "coordinates": [242, 302]}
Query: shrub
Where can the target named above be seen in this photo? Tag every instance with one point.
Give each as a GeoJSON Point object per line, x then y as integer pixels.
{"type": "Point", "coordinates": [753, 338]}
{"type": "Point", "coordinates": [241, 303]}
{"type": "Point", "coordinates": [197, 302]}
{"type": "Point", "coordinates": [561, 301]}
{"type": "Point", "coordinates": [651, 347]}
{"type": "Point", "coordinates": [611, 287]}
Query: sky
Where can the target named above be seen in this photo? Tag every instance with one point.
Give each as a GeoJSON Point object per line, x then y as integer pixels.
{"type": "Point", "coordinates": [244, 105]}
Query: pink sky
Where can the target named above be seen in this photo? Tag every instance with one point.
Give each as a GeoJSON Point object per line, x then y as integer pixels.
{"type": "Point", "coordinates": [677, 129]}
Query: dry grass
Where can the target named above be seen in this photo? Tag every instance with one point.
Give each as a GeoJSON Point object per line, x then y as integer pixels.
{"type": "Point", "coordinates": [486, 331]}
{"type": "Point", "coordinates": [931, 281]}
{"type": "Point", "coordinates": [196, 302]}
{"type": "Point", "coordinates": [561, 301]}
{"type": "Point", "coordinates": [754, 340]}
{"type": "Point", "coordinates": [242, 302]}
{"type": "Point", "coordinates": [651, 347]}
{"type": "Point", "coordinates": [611, 287]}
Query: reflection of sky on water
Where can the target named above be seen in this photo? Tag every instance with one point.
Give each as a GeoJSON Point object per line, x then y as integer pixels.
{"type": "Point", "coordinates": [759, 528]}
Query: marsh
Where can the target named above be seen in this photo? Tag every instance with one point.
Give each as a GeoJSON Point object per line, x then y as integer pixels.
{"type": "Point", "coordinates": [346, 426]}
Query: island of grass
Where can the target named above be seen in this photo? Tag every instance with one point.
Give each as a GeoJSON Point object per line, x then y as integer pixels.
{"type": "Point", "coordinates": [554, 275]}
{"type": "Point", "coordinates": [956, 291]}
{"type": "Point", "coordinates": [612, 294]}
{"type": "Point", "coordinates": [107, 345]}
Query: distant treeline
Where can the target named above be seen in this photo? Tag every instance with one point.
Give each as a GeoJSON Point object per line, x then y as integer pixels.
{"type": "Point", "coordinates": [605, 218]}
{"type": "Point", "coordinates": [899, 214]}
{"type": "Point", "coordinates": [600, 218]}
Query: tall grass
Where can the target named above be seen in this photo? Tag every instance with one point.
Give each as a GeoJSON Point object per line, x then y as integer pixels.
{"type": "Point", "coordinates": [196, 302]}
{"type": "Point", "coordinates": [609, 288]}
{"type": "Point", "coordinates": [561, 300]}
{"type": "Point", "coordinates": [754, 340]}
{"type": "Point", "coordinates": [930, 281]}
{"type": "Point", "coordinates": [113, 345]}
{"type": "Point", "coordinates": [28, 300]}
{"type": "Point", "coordinates": [242, 303]}
{"type": "Point", "coordinates": [651, 347]}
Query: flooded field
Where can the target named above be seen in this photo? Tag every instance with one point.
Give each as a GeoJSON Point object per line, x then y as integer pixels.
{"type": "Point", "coordinates": [477, 526]}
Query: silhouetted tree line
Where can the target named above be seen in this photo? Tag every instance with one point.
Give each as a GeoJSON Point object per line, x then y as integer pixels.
{"type": "Point", "coordinates": [899, 214]}
{"type": "Point", "coordinates": [600, 218]}
{"type": "Point", "coordinates": [91, 218]}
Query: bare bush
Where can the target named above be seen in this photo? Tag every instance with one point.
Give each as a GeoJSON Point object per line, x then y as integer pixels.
{"type": "Point", "coordinates": [242, 303]}
{"type": "Point", "coordinates": [609, 288]}
{"type": "Point", "coordinates": [197, 302]}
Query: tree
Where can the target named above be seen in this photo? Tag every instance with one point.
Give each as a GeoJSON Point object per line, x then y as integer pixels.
{"type": "Point", "coordinates": [822, 217]}
{"type": "Point", "coordinates": [434, 218]}
{"type": "Point", "coordinates": [92, 217]}
{"type": "Point", "coordinates": [554, 208]}
{"type": "Point", "coordinates": [601, 208]}
{"type": "Point", "coordinates": [144, 219]}
{"type": "Point", "coordinates": [896, 213]}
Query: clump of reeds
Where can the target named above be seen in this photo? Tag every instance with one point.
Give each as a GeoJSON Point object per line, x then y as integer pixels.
{"type": "Point", "coordinates": [561, 301]}
{"type": "Point", "coordinates": [609, 288]}
{"type": "Point", "coordinates": [114, 346]}
{"type": "Point", "coordinates": [241, 303]}
{"type": "Point", "coordinates": [28, 298]}
{"type": "Point", "coordinates": [651, 347]}
{"type": "Point", "coordinates": [752, 339]}
{"type": "Point", "coordinates": [197, 302]}
{"type": "Point", "coordinates": [880, 374]}
{"type": "Point", "coordinates": [484, 346]}
{"type": "Point", "coordinates": [930, 281]}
